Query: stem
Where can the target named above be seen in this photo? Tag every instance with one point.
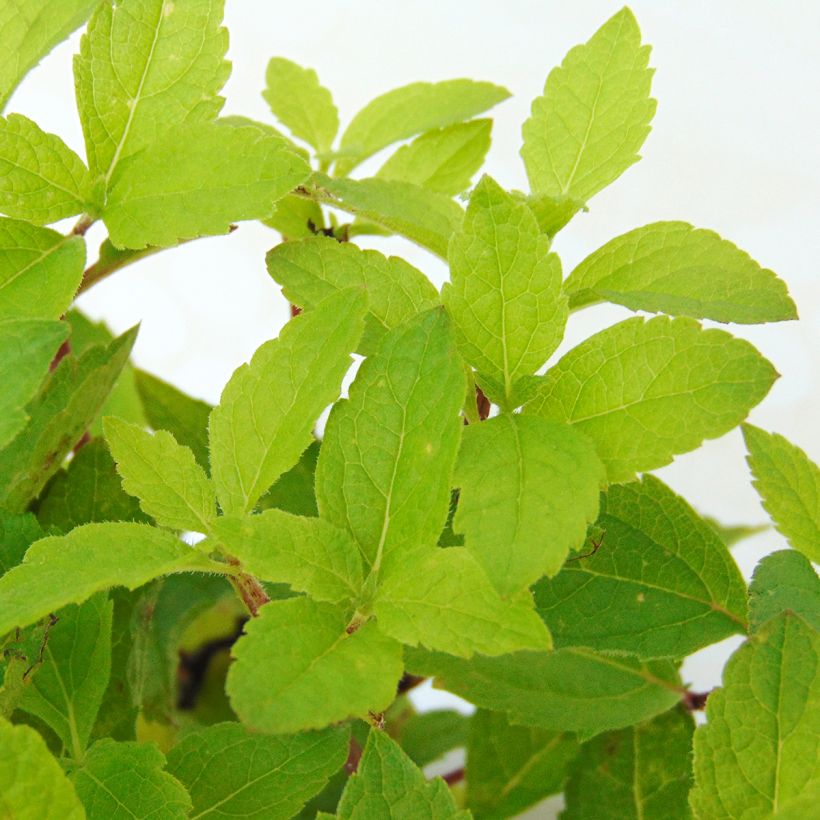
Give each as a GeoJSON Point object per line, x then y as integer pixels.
{"type": "Point", "coordinates": [249, 589]}
{"type": "Point", "coordinates": [409, 682]}
{"type": "Point", "coordinates": [83, 224]}
{"type": "Point", "coordinates": [456, 776]}
{"type": "Point", "coordinates": [695, 701]}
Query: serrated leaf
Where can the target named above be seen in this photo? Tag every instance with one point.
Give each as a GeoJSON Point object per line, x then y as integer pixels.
{"type": "Point", "coordinates": [301, 103]}
{"type": "Point", "coordinates": [195, 181]}
{"type": "Point", "coordinates": [567, 690]}
{"type": "Point", "coordinates": [126, 780]}
{"type": "Point", "coordinates": [784, 581]}
{"type": "Point", "coordinates": [171, 487]}
{"type": "Point", "coordinates": [387, 456]}
{"type": "Point", "coordinates": [645, 391]}
{"type": "Point", "coordinates": [643, 771]}
{"type": "Point", "coordinates": [552, 213]}
{"type": "Point", "coordinates": [660, 585]}
{"type": "Point", "coordinates": [316, 268]}
{"type": "Point", "coordinates": [309, 554]}
{"type": "Point", "coordinates": [388, 785]}
{"type": "Point", "coordinates": [68, 688]}
{"type": "Point", "coordinates": [144, 67]}
{"type": "Point", "coordinates": [510, 768]}
{"type": "Point", "coordinates": [294, 491]}
{"type": "Point", "coordinates": [443, 600]}
{"type": "Point", "coordinates": [296, 218]}
{"type": "Point", "coordinates": [17, 534]}
{"type": "Point", "coordinates": [94, 557]}
{"type": "Point", "coordinates": [32, 784]}
{"type": "Point", "coordinates": [505, 290]}
{"type": "Point", "coordinates": [443, 160]}
{"type": "Point", "coordinates": [41, 179]}
{"type": "Point", "coordinates": [232, 772]}
{"type": "Point", "coordinates": [40, 270]}
{"type": "Point", "coordinates": [529, 488]}
{"type": "Point", "coordinates": [594, 115]}
{"type": "Point", "coordinates": [410, 110]}
{"type": "Point", "coordinates": [760, 747]}
{"type": "Point", "coordinates": [788, 483]}
{"type": "Point", "coordinates": [675, 268]}
{"type": "Point", "coordinates": [297, 667]}
{"type": "Point", "coordinates": [267, 410]}
{"type": "Point", "coordinates": [427, 736]}
{"type": "Point", "coordinates": [731, 534]}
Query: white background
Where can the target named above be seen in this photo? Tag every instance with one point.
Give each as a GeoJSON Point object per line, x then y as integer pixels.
{"type": "Point", "coordinates": [733, 148]}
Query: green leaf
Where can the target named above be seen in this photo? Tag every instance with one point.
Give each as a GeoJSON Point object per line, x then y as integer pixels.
{"type": "Point", "coordinates": [443, 160]}
{"type": "Point", "coordinates": [643, 771]}
{"type": "Point", "coordinates": [167, 408]}
{"type": "Point", "coordinates": [60, 415]}
{"type": "Point", "coordinates": [784, 581]}
{"type": "Point", "coordinates": [297, 667]}
{"type": "Point", "coordinates": [510, 768]}
{"type": "Point", "coordinates": [267, 411]}
{"type": "Point", "coordinates": [163, 475]}
{"type": "Point", "coordinates": [195, 181]}
{"type": "Point", "coordinates": [760, 747]}
{"type": "Point", "coordinates": [27, 348]}
{"type": "Point", "coordinates": [428, 736]}
{"type": "Point", "coordinates": [17, 534]}
{"type": "Point", "coordinates": [410, 110]}
{"type": "Point", "coordinates": [126, 780]}
{"type": "Point", "coordinates": [28, 31]}
{"type": "Point", "coordinates": [387, 456]}
{"type": "Point", "coordinates": [645, 391]}
{"type": "Point", "coordinates": [661, 585]}
{"type": "Point", "coordinates": [68, 688]}
{"type": "Point", "coordinates": [568, 690]}
{"type": "Point", "coordinates": [32, 784]}
{"type": "Point", "coordinates": [231, 772]}
{"type": "Point", "coordinates": [309, 554]}
{"type": "Point", "coordinates": [94, 557]}
{"type": "Point", "coordinates": [675, 268]}
{"type": "Point", "coordinates": [295, 217]}
{"type": "Point", "coordinates": [294, 491]}
{"type": "Point", "coordinates": [505, 290]}
{"type": "Point", "coordinates": [313, 269]}
{"type": "Point", "coordinates": [144, 67]}
{"type": "Point", "coordinates": [552, 213]}
{"type": "Point", "coordinates": [529, 490]}
{"type": "Point", "coordinates": [788, 482]}
{"type": "Point", "coordinates": [40, 270]}
{"type": "Point", "coordinates": [389, 786]}
{"type": "Point", "coordinates": [594, 115]}
{"type": "Point", "coordinates": [731, 534]}
{"type": "Point", "coordinates": [443, 600]}
{"type": "Point", "coordinates": [300, 102]}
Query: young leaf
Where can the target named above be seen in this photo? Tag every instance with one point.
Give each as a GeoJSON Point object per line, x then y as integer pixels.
{"type": "Point", "coordinates": [388, 785]}
{"type": "Point", "coordinates": [443, 160]}
{"type": "Point", "coordinates": [31, 781]}
{"type": "Point", "coordinates": [410, 110]}
{"type": "Point", "coordinates": [94, 557]}
{"type": "Point", "coordinates": [294, 490]}
{"type": "Point", "coordinates": [195, 181]}
{"type": "Point", "coordinates": [68, 688]}
{"type": "Point", "coordinates": [552, 213]}
{"type": "Point", "coordinates": [505, 291]}
{"type": "Point", "coordinates": [594, 115]}
{"type": "Point", "coordinates": [760, 747]}
{"type": "Point", "coordinates": [145, 66]}
{"type": "Point", "coordinates": [171, 486]}
{"type": "Point", "coordinates": [309, 554]}
{"type": "Point", "coordinates": [41, 178]}
{"type": "Point", "coordinates": [510, 768]}
{"type": "Point", "coordinates": [297, 667]}
{"type": "Point", "coordinates": [661, 585]}
{"type": "Point", "coordinates": [529, 490]}
{"type": "Point", "coordinates": [267, 411]}
{"type": "Point", "coordinates": [788, 482]}
{"type": "Point", "coordinates": [645, 391]}
{"type": "Point", "coordinates": [731, 534]}
{"type": "Point", "coordinates": [672, 267]}
{"type": "Point", "coordinates": [127, 780]}
{"type": "Point", "coordinates": [313, 269]}
{"type": "Point", "coordinates": [296, 218]}
{"type": "Point", "coordinates": [231, 772]}
{"type": "Point", "coordinates": [443, 600]}
{"type": "Point", "coordinates": [300, 102]}
{"type": "Point", "coordinates": [642, 771]}
{"type": "Point", "coordinates": [784, 581]}
{"type": "Point", "coordinates": [427, 736]}
{"type": "Point", "coordinates": [17, 534]}
{"type": "Point", "coordinates": [568, 690]}
{"type": "Point", "coordinates": [40, 270]}
{"type": "Point", "coordinates": [387, 456]}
